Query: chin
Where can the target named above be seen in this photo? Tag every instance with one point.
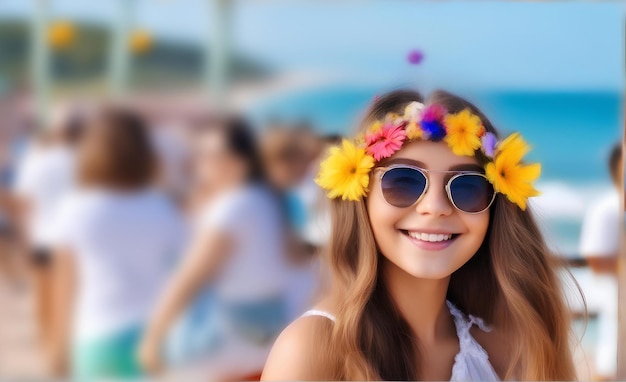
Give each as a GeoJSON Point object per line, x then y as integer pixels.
{"type": "Point", "coordinates": [428, 272]}
{"type": "Point", "coordinates": [431, 265]}
{"type": "Point", "coordinates": [420, 268]}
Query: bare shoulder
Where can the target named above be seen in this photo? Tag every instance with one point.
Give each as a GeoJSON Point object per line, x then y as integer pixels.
{"type": "Point", "coordinates": [497, 345]}
{"type": "Point", "coordinates": [299, 352]}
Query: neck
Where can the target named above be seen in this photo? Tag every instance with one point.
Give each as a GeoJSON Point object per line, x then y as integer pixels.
{"type": "Point", "coordinates": [421, 302]}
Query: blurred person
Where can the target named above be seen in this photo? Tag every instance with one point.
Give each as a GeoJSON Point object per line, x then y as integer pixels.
{"type": "Point", "coordinates": [311, 143]}
{"type": "Point", "coordinates": [284, 155]}
{"type": "Point", "coordinates": [116, 241]}
{"type": "Point", "coordinates": [8, 206]}
{"type": "Point", "coordinates": [599, 244]}
{"type": "Point", "coordinates": [311, 277]}
{"type": "Point", "coordinates": [12, 269]}
{"type": "Point", "coordinates": [6, 157]}
{"type": "Point", "coordinates": [225, 304]}
{"type": "Point", "coordinates": [304, 191]}
{"type": "Point", "coordinates": [45, 174]}
{"type": "Point", "coordinates": [439, 269]}
{"type": "Point", "coordinates": [290, 155]}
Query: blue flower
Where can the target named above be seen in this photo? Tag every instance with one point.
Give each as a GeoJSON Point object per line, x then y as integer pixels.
{"type": "Point", "coordinates": [433, 130]}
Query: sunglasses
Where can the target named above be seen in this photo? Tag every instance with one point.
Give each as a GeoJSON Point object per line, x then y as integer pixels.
{"type": "Point", "coordinates": [404, 185]}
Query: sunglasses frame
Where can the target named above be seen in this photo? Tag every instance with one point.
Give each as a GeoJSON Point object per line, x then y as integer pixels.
{"type": "Point", "coordinates": [425, 172]}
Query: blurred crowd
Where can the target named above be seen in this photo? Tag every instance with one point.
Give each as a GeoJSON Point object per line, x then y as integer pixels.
{"type": "Point", "coordinates": [175, 244]}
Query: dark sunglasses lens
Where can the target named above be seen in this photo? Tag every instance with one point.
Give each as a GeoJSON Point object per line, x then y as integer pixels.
{"type": "Point", "coordinates": [403, 186]}
{"type": "Point", "coordinates": [471, 193]}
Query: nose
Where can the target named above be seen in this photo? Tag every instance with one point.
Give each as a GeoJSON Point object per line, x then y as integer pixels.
{"type": "Point", "coordinates": [435, 200]}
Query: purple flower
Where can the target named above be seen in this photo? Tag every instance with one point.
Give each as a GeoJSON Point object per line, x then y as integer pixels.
{"type": "Point", "coordinates": [488, 142]}
{"type": "Point", "coordinates": [415, 56]}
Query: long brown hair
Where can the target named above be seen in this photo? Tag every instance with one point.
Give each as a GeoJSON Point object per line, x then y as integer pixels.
{"type": "Point", "coordinates": [511, 282]}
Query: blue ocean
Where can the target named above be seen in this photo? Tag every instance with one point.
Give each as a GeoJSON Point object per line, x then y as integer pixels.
{"type": "Point", "coordinates": [571, 134]}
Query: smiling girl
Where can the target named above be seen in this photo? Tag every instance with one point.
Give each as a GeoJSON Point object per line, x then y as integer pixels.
{"type": "Point", "coordinates": [439, 269]}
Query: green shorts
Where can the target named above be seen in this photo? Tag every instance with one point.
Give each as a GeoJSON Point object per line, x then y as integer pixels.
{"type": "Point", "coordinates": [111, 357]}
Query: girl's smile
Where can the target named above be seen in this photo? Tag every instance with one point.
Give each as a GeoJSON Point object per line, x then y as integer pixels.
{"type": "Point", "coordinates": [429, 239]}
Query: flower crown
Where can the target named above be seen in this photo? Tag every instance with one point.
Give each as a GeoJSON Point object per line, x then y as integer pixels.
{"type": "Point", "coordinates": [345, 172]}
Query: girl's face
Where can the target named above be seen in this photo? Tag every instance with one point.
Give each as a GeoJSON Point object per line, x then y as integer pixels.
{"type": "Point", "coordinates": [400, 232]}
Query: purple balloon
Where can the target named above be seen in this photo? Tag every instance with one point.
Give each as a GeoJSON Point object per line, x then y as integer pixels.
{"type": "Point", "coordinates": [415, 56]}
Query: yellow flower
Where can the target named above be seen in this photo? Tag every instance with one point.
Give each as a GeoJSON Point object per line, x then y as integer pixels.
{"type": "Point", "coordinates": [345, 172]}
{"type": "Point", "coordinates": [375, 127]}
{"type": "Point", "coordinates": [140, 41]}
{"type": "Point", "coordinates": [413, 131]}
{"type": "Point", "coordinates": [509, 176]}
{"type": "Point", "coordinates": [61, 34]}
{"type": "Point", "coordinates": [463, 131]}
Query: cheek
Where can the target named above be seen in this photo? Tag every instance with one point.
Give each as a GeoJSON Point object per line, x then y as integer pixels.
{"type": "Point", "coordinates": [383, 219]}
{"type": "Point", "coordinates": [477, 230]}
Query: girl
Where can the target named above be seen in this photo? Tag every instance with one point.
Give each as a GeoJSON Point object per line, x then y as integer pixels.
{"type": "Point", "coordinates": [116, 240]}
{"type": "Point", "coordinates": [439, 270]}
{"type": "Point", "coordinates": [229, 285]}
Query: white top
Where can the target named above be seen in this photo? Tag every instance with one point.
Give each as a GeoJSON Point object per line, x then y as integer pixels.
{"type": "Point", "coordinates": [600, 231]}
{"type": "Point", "coordinates": [471, 362]}
{"type": "Point", "coordinates": [255, 268]}
{"type": "Point", "coordinates": [126, 245]}
{"type": "Point", "coordinates": [44, 176]}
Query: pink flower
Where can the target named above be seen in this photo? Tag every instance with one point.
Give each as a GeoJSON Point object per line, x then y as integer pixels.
{"type": "Point", "coordinates": [434, 112]}
{"type": "Point", "coordinates": [386, 141]}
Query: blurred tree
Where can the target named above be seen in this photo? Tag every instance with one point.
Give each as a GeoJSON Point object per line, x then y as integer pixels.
{"type": "Point", "coordinates": [14, 50]}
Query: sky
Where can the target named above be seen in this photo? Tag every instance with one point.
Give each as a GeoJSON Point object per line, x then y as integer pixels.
{"type": "Point", "coordinates": [496, 45]}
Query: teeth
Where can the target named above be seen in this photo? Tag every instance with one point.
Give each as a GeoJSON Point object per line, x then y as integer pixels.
{"type": "Point", "coordinates": [432, 237]}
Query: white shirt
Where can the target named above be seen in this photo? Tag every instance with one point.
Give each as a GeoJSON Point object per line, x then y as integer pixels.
{"type": "Point", "coordinates": [255, 268]}
{"type": "Point", "coordinates": [45, 175]}
{"type": "Point", "coordinates": [126, 245]}
{"type": "Point", "coordinates": [600, 231]}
